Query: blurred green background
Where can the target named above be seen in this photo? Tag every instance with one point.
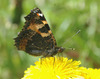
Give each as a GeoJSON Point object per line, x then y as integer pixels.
{"type": "Point", "coordinates": [65, 17]}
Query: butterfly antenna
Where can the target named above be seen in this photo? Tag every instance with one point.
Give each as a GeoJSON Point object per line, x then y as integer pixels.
{"type": "Point", "coordinates": [71, 48]}
{"type": "Point", "coordinates": [71, 38]}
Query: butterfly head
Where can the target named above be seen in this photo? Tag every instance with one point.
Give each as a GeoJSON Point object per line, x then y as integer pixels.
{"type": "Point", "coordinates": [59, 49]}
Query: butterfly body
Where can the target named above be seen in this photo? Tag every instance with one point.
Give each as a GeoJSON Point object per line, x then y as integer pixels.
{"type": "Point", "coordinates": [36, 37]}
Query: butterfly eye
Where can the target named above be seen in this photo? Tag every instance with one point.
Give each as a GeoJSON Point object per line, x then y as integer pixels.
{"type": "Point", "coordinates": [61, 49]}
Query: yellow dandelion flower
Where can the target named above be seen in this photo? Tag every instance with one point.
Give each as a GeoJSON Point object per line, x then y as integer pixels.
{"type": "Point", "coordinates": [55, 68]}
{"type": "Point", "coordinates": [92, 73]}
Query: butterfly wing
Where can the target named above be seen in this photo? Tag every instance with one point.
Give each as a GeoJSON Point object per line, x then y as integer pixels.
{"type": "Point", "coordinates": [36, 35]}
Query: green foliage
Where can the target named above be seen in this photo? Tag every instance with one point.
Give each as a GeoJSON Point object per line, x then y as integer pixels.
{"type": "Point", "coordinates": [65, 18]}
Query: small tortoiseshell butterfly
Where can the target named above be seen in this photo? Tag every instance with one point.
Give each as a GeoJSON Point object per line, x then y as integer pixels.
{"type": "Point", "coordinates": [36, 37]}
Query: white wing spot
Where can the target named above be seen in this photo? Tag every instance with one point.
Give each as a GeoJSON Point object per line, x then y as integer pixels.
{"type": "Point", "coordinates": [40, 14]}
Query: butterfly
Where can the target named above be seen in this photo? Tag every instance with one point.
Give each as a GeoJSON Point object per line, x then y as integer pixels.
{"type": "Point", "coordinates": [36, 38]}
